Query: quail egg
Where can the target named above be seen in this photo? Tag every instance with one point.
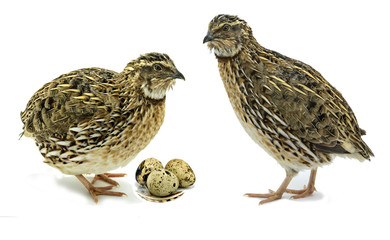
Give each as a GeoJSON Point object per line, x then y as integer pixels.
{"type": "Point", "coordinates": [145, 168]}
{"type": "Point", "coordinates": [182, 171]}
{"type": "Point", "coordinates": [162, 183]}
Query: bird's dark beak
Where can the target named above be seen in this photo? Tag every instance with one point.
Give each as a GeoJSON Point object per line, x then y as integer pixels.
{"type": "Point", "coordinates": [208, 38]}
{"type": "Point", "coordinates": [177, 75]}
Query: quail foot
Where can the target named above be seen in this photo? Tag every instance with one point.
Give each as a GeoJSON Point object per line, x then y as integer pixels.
{"type": "Point", "coordinates": [93, 120]}
{"type": "Point", "coordinates": [285, 105]}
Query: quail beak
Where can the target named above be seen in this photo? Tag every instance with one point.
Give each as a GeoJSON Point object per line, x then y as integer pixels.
{"type": "Point", "coordinates": [208, 38]}
{"type": "Point", "coordinates": [177, 75]}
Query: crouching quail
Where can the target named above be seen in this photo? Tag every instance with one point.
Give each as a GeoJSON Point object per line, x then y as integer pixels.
{"type": "Point", "coordinates": [285, 105]}
{"type": "Point", "coordinates": [95, 120]}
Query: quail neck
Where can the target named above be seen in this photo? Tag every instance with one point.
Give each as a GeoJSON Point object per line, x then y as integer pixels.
{"type": "Point", "coordinates": [155, 74]}
{"type": "Point", "coordinates": [227, 35]}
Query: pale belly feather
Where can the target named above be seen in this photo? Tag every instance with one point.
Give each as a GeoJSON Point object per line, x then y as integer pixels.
{"type": "Point", "coordinates": [132, 141]}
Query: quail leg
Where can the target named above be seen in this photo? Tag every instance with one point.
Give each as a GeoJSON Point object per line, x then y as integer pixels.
{"type": "Point", "coordinates": [307, 191]}
{"type": "Point", "coordinates": [272, 196]}
{"type": "Point", "coordinates": [106, 177]}
{"type": "Point", "coordinates": [96, 191]}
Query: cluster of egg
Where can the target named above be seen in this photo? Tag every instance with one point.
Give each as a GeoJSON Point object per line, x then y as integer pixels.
{"type": "Point", "coordinates": [162, 181]}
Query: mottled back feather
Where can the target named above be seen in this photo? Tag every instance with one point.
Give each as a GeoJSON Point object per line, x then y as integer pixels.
{"type": "Point", "coordinates": [68, 100]}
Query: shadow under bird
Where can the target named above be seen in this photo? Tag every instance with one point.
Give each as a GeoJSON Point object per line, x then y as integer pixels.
{"type": "Point", "coordinates": [94, 120]}
{"type": "Point", "coordinates": [285, 105]}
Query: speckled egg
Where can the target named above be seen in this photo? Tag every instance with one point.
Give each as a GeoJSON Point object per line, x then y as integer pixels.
{"type": "Point", "coordinates": [182, 171]}
{"type": "Point", "coordinates": [145, 168]}
{"type": "Point", "coordinates": [162, 182]}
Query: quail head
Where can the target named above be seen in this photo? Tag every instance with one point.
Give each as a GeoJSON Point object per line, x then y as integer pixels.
{"type": "Point", "coordinates": [94, 120]}
{"type": "Point", "coordinates": [285, 105]}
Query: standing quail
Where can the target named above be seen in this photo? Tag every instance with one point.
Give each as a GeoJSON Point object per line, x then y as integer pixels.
{"type": "Point", "coordinates": [95, 120]}
{"type": "Point", "coordinates": [285, 105]}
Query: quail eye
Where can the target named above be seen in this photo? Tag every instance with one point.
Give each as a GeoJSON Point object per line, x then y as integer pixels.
{"type": "Point", "coordinates": [226, 27]}
{"type": "Point", "coordinates": [157, 67]}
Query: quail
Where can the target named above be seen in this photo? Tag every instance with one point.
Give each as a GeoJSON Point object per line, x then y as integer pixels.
{"type": "Point", "coordinates": [94, 120]}
{"type": "Point", "coordinates": [285, 105]}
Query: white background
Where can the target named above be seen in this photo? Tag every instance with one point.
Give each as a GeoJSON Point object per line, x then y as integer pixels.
{"type": "Point", "coordinates": [347, 41]}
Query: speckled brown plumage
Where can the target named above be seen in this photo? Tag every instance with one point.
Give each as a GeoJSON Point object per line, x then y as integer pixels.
{"type": "Point", "coordinates": [95, 120]}
{"type": "Point", "coordinates": [285, 105]}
